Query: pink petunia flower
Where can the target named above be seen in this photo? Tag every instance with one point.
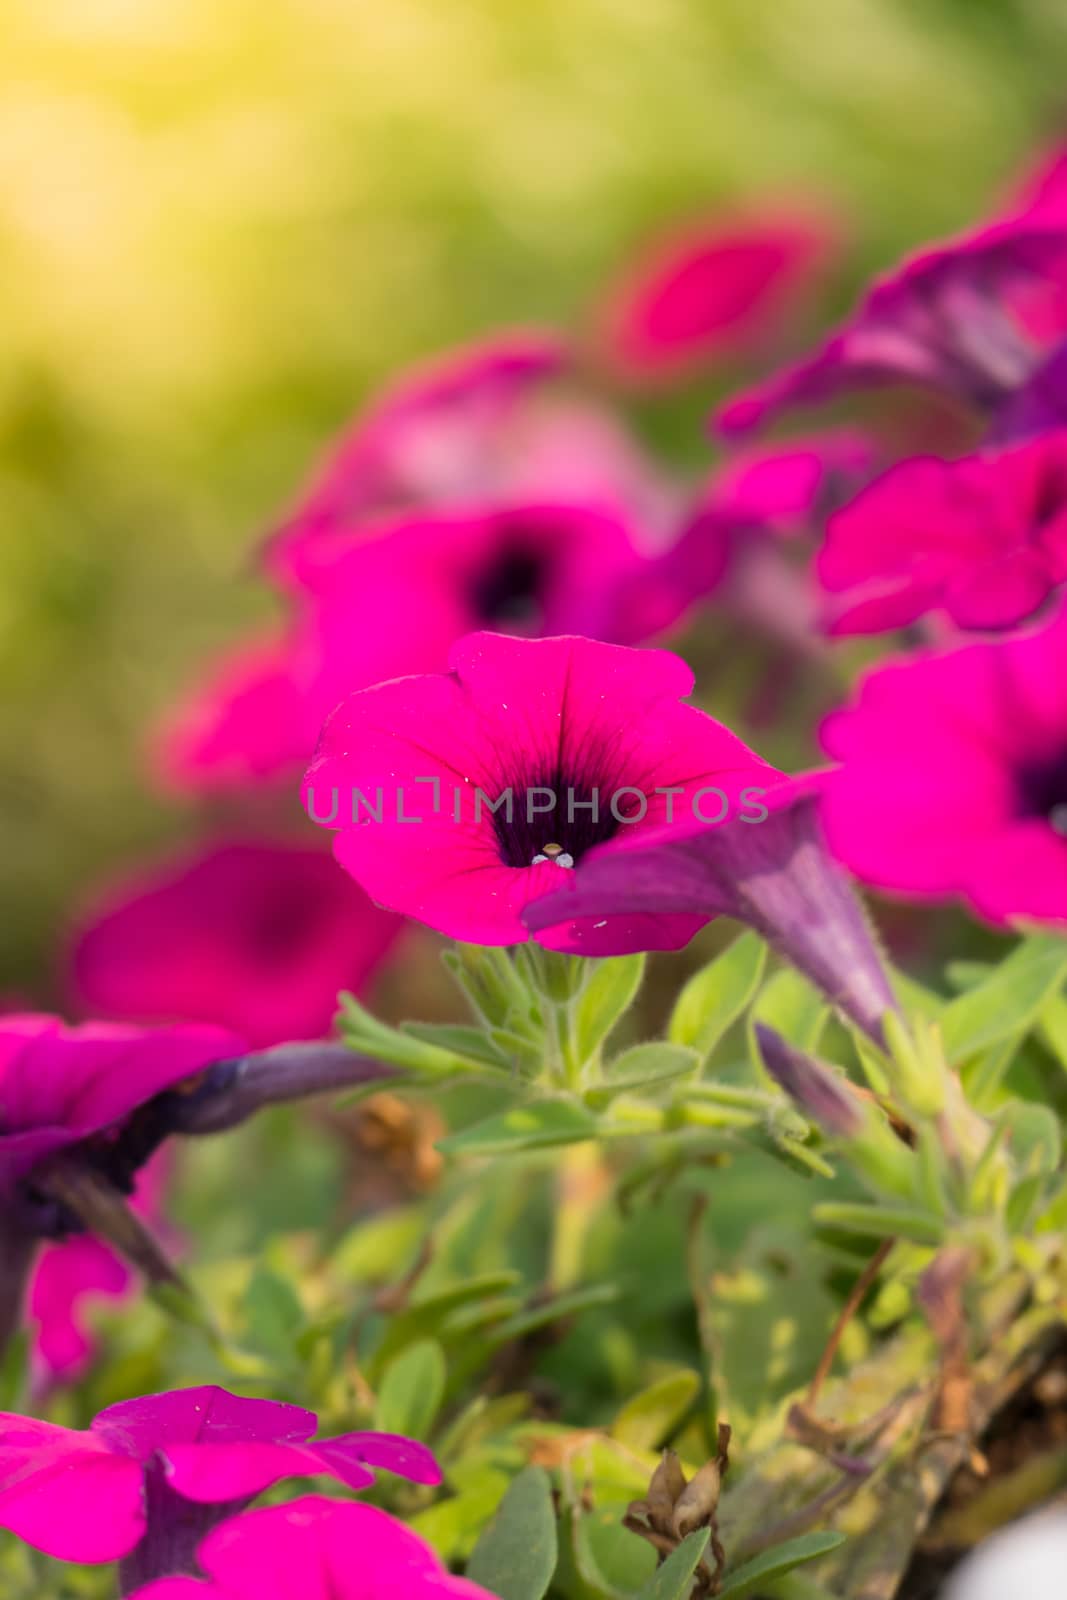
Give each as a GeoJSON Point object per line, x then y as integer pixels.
{"type": "Point", "coordinates": [150, 1477]}
{"type": "Point", "coordinates": [251, 935]}
{"type": "Point", "coordinates": [948, 319]}
{"type": "Point", "coordinates": [984, 539]}
{"type": "Point", "coordinates": [433, 436]}
{"type": "Point", "coordinates": [70, 1274]}
{"type": "Point", "coordinates": [79, 1093]}
{"type": "Point", "coordinates": [711, 288]}
{"type": "Point", "coordinates": [320, 1550]}
{"type": "Point", "coordinates": [241, 726]}
{"type": "Point", "coordinates": [460, 796]}
{"type": "Point", "coordinates": [953, 776]}
{"type": "Point", "coordinates": [61, 1087]}
{"type": "Point", "coordinates": [771, 871]}
{"type": "Point", "coordinates": [392, 600]}
{"type": "Point", "coordinates": [746, 507]}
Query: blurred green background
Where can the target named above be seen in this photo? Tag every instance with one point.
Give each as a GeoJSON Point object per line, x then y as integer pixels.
{"type": "Point", "coordinates": [222, 223]}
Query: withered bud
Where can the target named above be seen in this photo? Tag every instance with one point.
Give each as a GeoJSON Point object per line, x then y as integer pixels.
{"type": "Point", "coordinates": [668, 1483]}
{"type": "Point", "coordinates": [698, 1502]}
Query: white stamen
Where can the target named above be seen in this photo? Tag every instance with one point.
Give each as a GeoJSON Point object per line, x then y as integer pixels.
{"type": "Point", "coordinates": [554, 853]}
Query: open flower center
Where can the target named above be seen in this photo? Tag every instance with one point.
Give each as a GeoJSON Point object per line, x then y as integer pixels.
{"type": "Point", "coordinates": [509, 592]}
{"type": "Point", "coordinates": [1043, 792]}
{"type": "Point", "coordinates": [557, 820]}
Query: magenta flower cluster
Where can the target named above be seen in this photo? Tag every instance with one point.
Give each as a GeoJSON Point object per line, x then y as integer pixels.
{"type": "Point", "coordinates": [467, 683]}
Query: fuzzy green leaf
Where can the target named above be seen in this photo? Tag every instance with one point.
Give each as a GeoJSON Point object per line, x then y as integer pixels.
{"type": "Point", "coordinates": [880, 1222]}
{"type": "Point", "coordinates": [1008, 1002]}
{"type": "Point", "coordinates": [717, 995]}
{"type": "Point", "coordinates": [516, 1554]}
{"type": "Point", "coordinates": [647, 1421]}
{"type": "Point", "coordinates": [674, 1580]}
{"type": "Point", "coordinates": [411, 1391]}
{"type": "Point", "coordinates": [769, 1564]}
{"type": "Point", "coordinates": [606, 996]}
{"type": "Point", "coordinates": [538, 1125]}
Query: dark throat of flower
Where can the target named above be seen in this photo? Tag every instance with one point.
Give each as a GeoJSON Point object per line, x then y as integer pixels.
{"type": "Point", "coordinates": [507, 593]}
{"type": "Point", "coordinates": [1042, 792]}
{"type": "Point", "coordinates": [531, 828]}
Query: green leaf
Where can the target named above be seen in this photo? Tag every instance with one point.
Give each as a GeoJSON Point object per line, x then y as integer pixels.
{"type": "Point", "coordinates": [1054, 1027]}
{"type": "Point", "coordinates": [647, 1421]}
{"type": "Point", "coordinates": [428, 1318]}
{"type": "Point", "coordinates": [880, 1222]}
{"type": "Point", "coordinates": [1034, 1136]}
{"type": "Point", "coordinates": [411, 1391]}
{"type": "Point", "coordinates": [516, 1555]}
{"type": "Point", "coordinates": [273, 1314]}
{"type": "Point", "coordinates": [770, 1564]}
{"type": "Point", "coordinates": [604, 999]}
{"type": "Point", "coordinates": [963, 975]}
{"type": "Point", "coordinates": [463, 1041]}
{"type": "Point", "coordinates": [916, 999]}
{"type": "Point", "coordinates": [543, 1315]}
{"type": "Point", "coordinates": [1008, 1002]}
{"type": "Point", "coordinates": [644, 1066]}
{"type": "Point", "coordinates": [717, 995]}
{"type": "Point", "coordinates": [538, 1125]}
{"type": "Point", "coordinates": [364, 1032]}
{"type": "Point", "coordinates": [674, 1580]}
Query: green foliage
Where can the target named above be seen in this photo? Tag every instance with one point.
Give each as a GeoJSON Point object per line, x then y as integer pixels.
{"type": "Point", "coordinates": [756, 1574]}
{"type": "Point", "coordinates": [674, 1579]}
{"type": "Point", "coordinates": [411, 1391]}
{"type": "Point", "coordinates": [516, 1555]}
{"type": "Point", "coordinates": [717, 995]}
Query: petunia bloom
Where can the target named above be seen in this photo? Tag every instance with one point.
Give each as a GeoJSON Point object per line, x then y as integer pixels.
{"type": "Point", "coordinates": [149, 1477]}
{"type": "Point", "coordinates": [320, 1550]}
{"type": "Point", "coordinates": [64, 1087]}
{"type": "Point", "coordinates": [746, 508]}
{"type": "Point", "coordinates": [948, 319]}
{"type": "Point", "coordinates": [983, 539]}
{"type": "Point", "coordinates": [392, 597]}
{"type": "Point", "coordinates": [75, 1094]}
{"type": "Point", "coordinates": [709, 289]}
{"type": "Point", "coordinates": [252, 935]}
{"type": "Point", "coordinates": [774, 873]}
{"type": "Point", "coordinates": [952, 776]}
{"type": "Point", "coordinates": [461, 796]}
{"type": "Point", "coordinates": [433, 436]}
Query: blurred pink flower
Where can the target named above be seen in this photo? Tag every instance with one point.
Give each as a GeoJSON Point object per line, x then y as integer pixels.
{"type": "Point", "coordinates": [946, 319]}
{"type": "Point", "coordinates": [587, 739]}
{"type": "Point", "coordinates": [391, 598]}
{"type": "Point", "coordinates": [708, 289]}
{"type": "Point", "coordinates": [242, 726]}
{"type": "Point", "coordinates": [730, 541]}
{"type": "Point", "coordinates": [63, 1086]}
{"type": "Point", "coordinates": [151, 1476]}
{"type": "Point", "coordinates": [432, 436]}
{"type": "Point", "coordinates": [320, 1550]}
{"type": "Point", "coordinates": [252, 935]}
{"type": "Point", "coordinates": [984, 539]}
{"type": "Point", "coordinates": [69, 1275]}
{"type": "Point", "coordinates": [953, 776]}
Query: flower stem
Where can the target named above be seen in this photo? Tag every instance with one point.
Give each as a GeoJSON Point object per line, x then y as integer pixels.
{"type": "Point", "coordinates": [17, 1250]}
